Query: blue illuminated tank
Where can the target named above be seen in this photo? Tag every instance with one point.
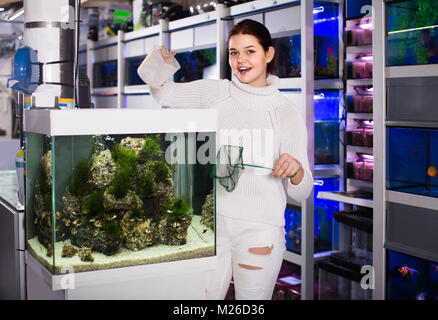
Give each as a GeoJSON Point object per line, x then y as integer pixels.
{"type": "Point", "coordinates": [412, 34]}
{"type": "Point", "coordinates": [132, 65]}
{"type": "Point", "coordinates": [105, 74]}
{"type": "Point", "coordinates": [411, 278]}
{"type": "Point", "coordinates": [412, 165]}
{"type": "Point", "coordinates": [327, 126]}
{"type": "Point", "coordinates": [325, 232]}
{"type": "Point", "coordinates": [196, 65]}
{"type": "Point", "coordinates": [326, 45]}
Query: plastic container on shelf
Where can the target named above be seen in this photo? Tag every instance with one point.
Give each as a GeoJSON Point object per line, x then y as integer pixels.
{"type": "Point", "coordinates": [358, 137]}
{"type": "Point", "coordinates": [367, 104]}
{"type": "Point", "coordinates": [368, 137]}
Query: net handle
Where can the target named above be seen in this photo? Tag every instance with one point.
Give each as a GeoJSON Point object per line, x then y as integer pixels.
{"type": "Point", "coordinates": [251, 165]}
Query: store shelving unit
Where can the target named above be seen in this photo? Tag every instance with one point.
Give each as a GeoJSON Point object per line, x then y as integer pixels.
{"type": "Point", "coordinates": [401, 209]}
{"type": "Point", "coordinates": [342, 268]}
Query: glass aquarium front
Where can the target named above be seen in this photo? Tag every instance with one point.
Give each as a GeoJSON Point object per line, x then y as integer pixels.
{"type": "Point", "coordinates": [325, 230]}
{"type": "Point", "coordinates": [356, 227]}
{"type": "Point", "coordinates": [412, 165]}
{"type": "Point", "coordinates": [132, 77]}
{"type": "Point", "coordinates": [327, 126]}
{"type": "Point", "coordinates": [105, 74]}
{"type": "Point", "coordinates": [326, 46]}
{"type": "Point", "coordinates": [412, 33]}
{"type": "Point", "coordinates": [105, 201]}
{"type": "Point", "coordinates": [196, 65]}
{"type": "Point", "coordinates": [411, 278]}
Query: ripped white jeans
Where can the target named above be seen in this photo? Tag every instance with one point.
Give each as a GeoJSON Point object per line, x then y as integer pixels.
{"type": "Point", "coordinates": [234, 240]}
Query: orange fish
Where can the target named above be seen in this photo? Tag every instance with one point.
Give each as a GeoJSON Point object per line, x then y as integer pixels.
{"type": "Point", "coordinates": [436, 267]}
{"type": "Point", "coordinates": [406, 271]}
{"type": "Point", "coordinates": [432, 171]}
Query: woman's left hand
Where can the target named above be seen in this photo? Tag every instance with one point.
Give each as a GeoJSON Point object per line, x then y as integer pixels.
{"type": "Point", "coordinates": [288, 166]}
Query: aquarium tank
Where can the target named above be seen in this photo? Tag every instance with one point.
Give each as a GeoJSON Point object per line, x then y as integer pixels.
{"type": "Point", "coordinates": [325, 231]}
{"type": "Point", "coordinates": [357, 8]}
{"type": "Point", "coordinates": [196, 65]}
{"type": "Point", "coordinates": [105, 74]}
{"type": "Point", "coordinates": [102, 201]}
{"type": "Point", "coordinates": [327, 125]}
{"type": "Point", "coordinates": [326, 46]}
{"type": "Point", "coordinates": [412, 165]}
{"type": "Point", "coordinates": [131, 74]}
{"type": "Point", "coordinates": [412, 33]}
{"type": "Point", "coordinates": [411, 278]}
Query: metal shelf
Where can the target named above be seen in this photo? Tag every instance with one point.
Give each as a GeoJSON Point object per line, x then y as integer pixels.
{"type": "Point", "coordinates": [358, 149]}
{"type": "Point", "coordinates": [359, 49]}
{"type": "Point", "coordinates": [428, 70]}
{"type": "Point", "coordinates": [336, 196]}
{"type": "Point", "coordinates": [412, 200]}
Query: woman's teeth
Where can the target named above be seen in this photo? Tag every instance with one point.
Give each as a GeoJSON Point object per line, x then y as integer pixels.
{"type": "Point", "coordinates": [244, 70]}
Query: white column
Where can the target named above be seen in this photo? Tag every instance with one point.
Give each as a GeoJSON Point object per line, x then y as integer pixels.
{"type": "Point", "coordinates": [379, 182]}
{"type": "Point", "coordinates": [307, 77]}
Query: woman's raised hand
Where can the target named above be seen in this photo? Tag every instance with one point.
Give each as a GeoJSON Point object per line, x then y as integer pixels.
{"type": "Point", "coordinates": [167, 56]}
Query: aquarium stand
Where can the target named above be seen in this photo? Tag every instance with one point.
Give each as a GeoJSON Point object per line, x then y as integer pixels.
{"type": "Point", "coordinates": [177, 280]}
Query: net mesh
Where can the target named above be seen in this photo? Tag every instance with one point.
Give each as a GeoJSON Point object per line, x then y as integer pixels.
{"type": "Point", "coordinates": [228, 167]}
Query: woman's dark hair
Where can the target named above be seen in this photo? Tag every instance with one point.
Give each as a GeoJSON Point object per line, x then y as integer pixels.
{"type": "Point", "coordinates": [259, 31]}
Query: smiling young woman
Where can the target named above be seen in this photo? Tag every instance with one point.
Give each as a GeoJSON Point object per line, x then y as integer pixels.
{"type": "Point", "coordinates": [250, 220]}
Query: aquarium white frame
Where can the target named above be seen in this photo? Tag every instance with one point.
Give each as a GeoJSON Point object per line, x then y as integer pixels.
{"type": "Point", "coordinates": [119, 121]}
{"type": "Point", "coordinates": [148, 281]}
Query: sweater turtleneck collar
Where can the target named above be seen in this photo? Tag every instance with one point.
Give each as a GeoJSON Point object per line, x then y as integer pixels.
{"type": "Point", "coordinates": [256, 98]}
{"type": "Point", "coordinates": [270, 89]}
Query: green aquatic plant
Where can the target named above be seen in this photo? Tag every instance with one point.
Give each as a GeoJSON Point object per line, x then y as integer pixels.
{"type": "Point", "coordinates": [121, 183]}
{"type": "Point", "coordinates": [138, 213]}
{"type": "Point", "coordinates": [178, 208]}
{"type": "Point", "coordinates": [124, 157]}
{"type": "Point", "coordinates": [78, 185]}
{"type": "Point", "coordinates": [151, 147]}
{"type": "Point", "coordinates": [145, 183]}
{"type": "Point", "coordinates": [113, 228]}
{"type": "Point", "coordinates": [126, 161]}
{"type": "Point", "coordinates": [93, 204]}
{"type": "Point", "coordinates": [162, 170]}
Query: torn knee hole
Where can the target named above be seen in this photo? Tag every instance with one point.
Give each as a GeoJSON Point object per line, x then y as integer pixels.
{"type": "Point", "coordinates": [261, 250]}
{"type": "Point", "coordinates": [245, 266]}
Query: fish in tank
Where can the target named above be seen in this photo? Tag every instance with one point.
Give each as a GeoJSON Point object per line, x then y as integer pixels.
{"type": "Point", "coordinates": [411, 165]}
{"type": "Point", "coordinates": [105, 74]}
{"type": "Point", "coordinates": [325, 230]}
{"type": "Point", "coordinates": [196, 65]}
{"type": "Point", "coordinates": [327, 125]}
{"type": "Point", "coordinates": [411, 278]}
{"type": "Point", "coordinates": [412, 33]}
{"type": "Point", "coordinates": [326, 46]}
{"type": "Point", "coordinates": [106, 201]}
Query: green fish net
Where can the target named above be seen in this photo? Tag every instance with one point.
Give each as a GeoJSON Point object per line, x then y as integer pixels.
{"type": "Point", "coordinates": [229, 166]}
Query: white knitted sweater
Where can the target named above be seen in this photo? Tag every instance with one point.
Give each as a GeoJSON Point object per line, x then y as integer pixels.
{"type": "Point", "coordinates": [263, 120]}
